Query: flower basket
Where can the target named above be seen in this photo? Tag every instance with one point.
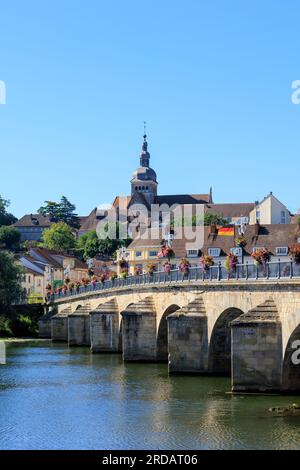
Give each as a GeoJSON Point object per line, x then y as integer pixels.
{"type": "Point", "coordinates": [151, 268]}
{"type": "Point", "coordinates": [71, 286]}
{"type": "Point", "coordinates": [241, 241]}
{"type": "Point", "coordinates": [231, 262]}
{"type": "Point", "coordinates": [124, 274]}
{"type": "Point", "coordinates": [167, 267]}
{"type": "Point", "coordinates": [90, 272]}
{"type": "Point", "coordinates": [166, 252]}
{"type": "Point", "coordinates": [123, 264]}
{"type": "Point", "coordinates": [261, 256]}
{"type": "Point", "coordinates": [102, 278]}
{"type": "Point", "coordinates": [295, 253]}
{"type": "Point", "coordinates": [67, 280]}
{"type": "Point", "coordinates": [113, 276]}
{"type": "Point", "coordinates": [206, 262]}
{"type": "Point", "coordinates": [137, 271]}
{"type": "Point", "coordinates": [184, 266]}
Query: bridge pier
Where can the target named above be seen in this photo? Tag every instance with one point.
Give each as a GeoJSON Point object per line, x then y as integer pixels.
{"type": "Point", "coordinates": [257, 350]}
{"type": "Point", "coordinates": [105, 328]}
{"type": "Point", "coordinates": [59, 326]}
{"type": "Point", "coordinates": [79, 327]}
{"type": "Point", "coordinates": [44, 322]}
{"type": "Point", "coordinates": [188, 339]}
{"type": "Point", "coordinates": [139, 332]}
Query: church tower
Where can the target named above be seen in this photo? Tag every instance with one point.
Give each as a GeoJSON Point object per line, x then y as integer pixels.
{"type": "Point", "coordinates": [144, 180]}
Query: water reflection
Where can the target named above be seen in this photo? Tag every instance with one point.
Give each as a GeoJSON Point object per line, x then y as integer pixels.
{"type": "Point", "coordinates": [55, 397]}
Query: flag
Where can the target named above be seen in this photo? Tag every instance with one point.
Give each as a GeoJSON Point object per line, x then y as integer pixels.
{"type": "Point", "coordinates": [226, 231]}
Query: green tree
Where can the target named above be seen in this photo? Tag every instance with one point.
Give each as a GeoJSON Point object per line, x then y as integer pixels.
{"type": "Point", "coordinates": [216, 219]}
{"type": "Point", "coordinates": [63, 211]}
{"type": "Point", "coordinates": [5, 217]}
{"type": "Point", "coordinates": [59, 237]}
{"type": "Point", "coordinates": [10, 281]}
{"type": "Point", "coordinates": [88, 245]}
{"type": "Point", "coordinates": [9, 237]}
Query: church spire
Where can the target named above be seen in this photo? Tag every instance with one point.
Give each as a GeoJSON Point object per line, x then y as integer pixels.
{"type": "Point", "coordinates": [145, 155]}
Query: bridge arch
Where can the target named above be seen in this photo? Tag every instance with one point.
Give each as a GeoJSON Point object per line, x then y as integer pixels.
{"type": "Point", "coordinates": [162, 334]}
{"type": "Point", "coordinates": [219, 360]}
{"type": "Point", "coordinates": [291, 363]}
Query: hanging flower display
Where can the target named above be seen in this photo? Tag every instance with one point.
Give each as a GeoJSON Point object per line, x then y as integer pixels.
{"type": "Point", "coordinates": [184, 266]}
{"type": "Point", "coordinates": [166, 252]}
{"type": "Point", "coordinates": [206, 262]}
{"type": "Point", "coordinates": [90, 272]}
{"type": "Point", "coordinates": [295, 253]}
{"type": "Point", "coordinates": [167, 267]}
{"type": "Point", "coordinates": [261, 256]}
{"type": "Point", "coordinates": [102, 278]}
{"type": "Point", "coordinates": [124, 274]}
{"type": "Point", "coordinates": [151, 267]}
{"type": "Point", "coordinates": [64, 289]}
{"type": "Point", "coordinates": [85, 281]}
{"type": "Point", "coordinates": [77, 286]}
{"type": "Point", "coordinates": [231, 262]}
{"type": "Point", "coordinates": [137, 271]}
{"type": "Point", "coordinates": [67, 280]}
{"type": "Point", "coordinates": [94, 281]}
{"type": "Point", "coordinates": [241, 241]}
{"type": "Point", "coordinates": [123, 264]}
{"type": "Point", "coordinates": [71, 286]}
{"type": "Point", "coordinates": [113, 276]}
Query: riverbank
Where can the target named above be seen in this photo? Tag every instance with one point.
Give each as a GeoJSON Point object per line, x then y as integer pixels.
{"type": "Point", "coordinates": [23, 340]}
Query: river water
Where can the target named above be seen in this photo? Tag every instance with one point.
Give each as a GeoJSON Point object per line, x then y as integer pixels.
{"type": "Point", "coordinates": [53, 397]}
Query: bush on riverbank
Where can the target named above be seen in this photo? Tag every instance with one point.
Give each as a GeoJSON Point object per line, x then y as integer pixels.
{"type": "Point", "coordinates": [19, 326]}
{"type": "Point", "coordinates": [20, 323]}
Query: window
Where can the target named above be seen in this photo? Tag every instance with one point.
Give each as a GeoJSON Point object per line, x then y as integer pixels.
{"type": "Point", "coordinates": [214, 252]}
{"type": "Point", "coordinates": [257, 216]}
{"type": "Point", "coordinates": [282, 251]}
{"type": "Point", "coordinates": [138, 254]}
{"type": "Point", "coordinates": [255, 248]}
{"type": "Point", "coordinates": [283, 217]}
{"type": "Point", "coordinates": [237, 251]}
{"type": "Point", "coordinates": [192, 253]}
{"type": "Point", "coordinates": [153, 254]}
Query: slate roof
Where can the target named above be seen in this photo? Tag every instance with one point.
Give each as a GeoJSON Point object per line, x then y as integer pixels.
{"type": "Point", "coordinates": [33, 220]}
{"type": "Point", "coordinates": [270, 237]}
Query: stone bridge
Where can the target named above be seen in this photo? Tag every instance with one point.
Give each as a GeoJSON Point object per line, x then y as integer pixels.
{"type": "Point", "coordinates": [248, 329]}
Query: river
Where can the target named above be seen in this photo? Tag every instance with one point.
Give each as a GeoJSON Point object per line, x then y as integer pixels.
{"type": "Point", "coordinates": [54, 397]}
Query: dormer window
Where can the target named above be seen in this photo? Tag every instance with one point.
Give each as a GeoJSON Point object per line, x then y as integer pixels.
{"type": "Point", "coordinates": [192, 253]}
{"type": "Point", "coordinates": [282, 251]}
{"type": "Point", "coordinates": [214, 252]}
{"type": "Point", "coordinates": [237, 251]}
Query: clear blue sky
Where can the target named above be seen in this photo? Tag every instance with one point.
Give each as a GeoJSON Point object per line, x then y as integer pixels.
{"type": "Point", "coordinates": [211, 78]}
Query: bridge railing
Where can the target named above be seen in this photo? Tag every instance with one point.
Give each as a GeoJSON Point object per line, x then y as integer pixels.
{"type": "Point", "coordinates": [269, 271]}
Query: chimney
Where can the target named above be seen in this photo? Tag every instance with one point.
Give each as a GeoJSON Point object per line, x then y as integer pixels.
{"type": "Point", "coordinates": [213, 229]}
